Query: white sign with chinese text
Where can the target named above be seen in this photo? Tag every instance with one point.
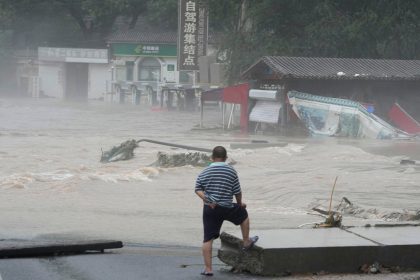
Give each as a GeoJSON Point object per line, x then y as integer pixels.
{"type": "Point", "coordinates": [73, 55]}
{"type": "Point", "coordinates": [192, 33]}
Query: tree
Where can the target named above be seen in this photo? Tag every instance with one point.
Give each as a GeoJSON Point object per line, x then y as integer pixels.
{"type": "Point", "coordinates": [329, 28]}
{"type": "Point", "coordinates": [163, 13]}
{"type": "Point", "coordinates": [65, 22]}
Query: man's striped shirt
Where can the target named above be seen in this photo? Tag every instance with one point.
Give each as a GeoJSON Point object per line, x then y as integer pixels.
{"type": "Point", "coordinates": [220, 183]}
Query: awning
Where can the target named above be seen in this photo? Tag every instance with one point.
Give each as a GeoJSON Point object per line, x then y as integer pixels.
{"type": "Point", "coordinates": [265, 112]}
{"type": "Point", "coordinates": [261, 94]}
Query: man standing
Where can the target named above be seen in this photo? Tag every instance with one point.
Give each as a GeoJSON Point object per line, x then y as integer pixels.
{"type": "Point", "coordinates": [216, 185]}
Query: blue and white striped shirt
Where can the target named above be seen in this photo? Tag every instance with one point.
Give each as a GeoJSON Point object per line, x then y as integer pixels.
{"type": "Point", "coordinates": [220, 183]}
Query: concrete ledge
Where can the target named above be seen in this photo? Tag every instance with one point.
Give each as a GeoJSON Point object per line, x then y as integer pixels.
{"type": "Point", "coordinates": [231, 253]}
{"type": "Point", "coordinates": [24, 248]}
{"type": "Point", "coordinates": [331, 250]}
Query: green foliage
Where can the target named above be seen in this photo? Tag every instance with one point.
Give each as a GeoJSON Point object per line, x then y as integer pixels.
{"type": "Point", "coordinates": [328, 28]}
{"type": "Point", "coordinates": [163, 13]}
{"type": "Point", "coordinates": [223, 15]}
{"type": "Point", "coordinates": [64, 22]}
{"type": "Point", "coordinates": [5, 44]}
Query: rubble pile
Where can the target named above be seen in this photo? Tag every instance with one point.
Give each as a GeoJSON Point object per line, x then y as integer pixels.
{"type": "Point", "coordinates": [198, 159]}
{"type": "Point", "coordinates": [124, 151]}
{"type": "Point", "coordinates": [182, 159]}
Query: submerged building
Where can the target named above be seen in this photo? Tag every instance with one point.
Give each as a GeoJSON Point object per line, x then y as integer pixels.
{"type": "Point", "coordinates": [73, 73]}
{"type": "Point", "coordinates": [377, 83]}
{"type": "Point", "coordinates": [144, 61]}
{"type": "Point", "coordinates": [65, 73]}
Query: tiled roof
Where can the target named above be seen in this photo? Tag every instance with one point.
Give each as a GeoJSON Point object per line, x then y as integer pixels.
{"type": "Point", "coordinates": [26, 53]}
{"type": "Point", "coordinates": [338, 68]}
{"type": "Point", "coordinates": [149, 36]}
{"type": "Point", "coordinates": [145, 32]}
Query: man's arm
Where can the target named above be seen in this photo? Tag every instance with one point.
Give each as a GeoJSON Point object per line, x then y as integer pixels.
{"type": "Point", "coordinates": [237, 191]}
{"type": "Point", "coordinates": [239, 200]}
{"type": "Point", "coordinates": [203, 197]}
{"type": "Point", "coordinates": [199, 190]}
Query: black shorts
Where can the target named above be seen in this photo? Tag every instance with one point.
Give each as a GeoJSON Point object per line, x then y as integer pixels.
{"type": "Point", "coordinates": [213, 219]}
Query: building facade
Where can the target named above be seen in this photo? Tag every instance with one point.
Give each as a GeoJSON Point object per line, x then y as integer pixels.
{"type": "Point", "coordinates": [143, 60]}
{"type": "Point", "coordinates": [73, 73]}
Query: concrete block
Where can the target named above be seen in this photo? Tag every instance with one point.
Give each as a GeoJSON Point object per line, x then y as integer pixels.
{"type": "Point", "coordinates": [204, 68]}
{"type": "Point", "coordinates": [335, 250]}
{"type": "Point", "coordinates": [217, 74]}
{"type": "Point", "coordinates": [398, 246]}
{"type": "Point", "coordinates": [407, 235]}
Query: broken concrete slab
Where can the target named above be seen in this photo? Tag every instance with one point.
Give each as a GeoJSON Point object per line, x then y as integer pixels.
{"type": "Point", "coordinates": [404, 235]}
{"type": "Point", "coordinates": [24, 248]}
{"type": "Point", "coordinates": [399, 246]}
{"type": "Point", "coordinates": [335, 250]}
{"type": "Point", "coordinates": [303, 238]}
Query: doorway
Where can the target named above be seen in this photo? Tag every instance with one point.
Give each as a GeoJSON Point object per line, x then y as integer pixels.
{"type": "Point", "coordinates": [77, 76]}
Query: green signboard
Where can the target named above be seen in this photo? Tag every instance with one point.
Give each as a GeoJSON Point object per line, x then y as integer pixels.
{"type": "Point", "coordinates": [121, 49]}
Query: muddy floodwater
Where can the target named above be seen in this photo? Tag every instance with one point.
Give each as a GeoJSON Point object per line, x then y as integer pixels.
{"type": "Point", "coordinates": [52, 183]}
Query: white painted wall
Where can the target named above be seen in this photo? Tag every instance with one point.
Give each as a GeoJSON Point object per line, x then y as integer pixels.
{"type": "Point", "coordinates": [51, 79]}
{"type": "Point", "coordinates": [170, 76]}
{"type": "Point", "coordinates": [99, 76]}
{"type": "Point", "coordinates": [52, 82]}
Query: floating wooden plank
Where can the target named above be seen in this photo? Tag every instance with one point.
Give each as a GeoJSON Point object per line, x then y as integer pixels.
{"type": "Point", "coordinates": [23, 248]}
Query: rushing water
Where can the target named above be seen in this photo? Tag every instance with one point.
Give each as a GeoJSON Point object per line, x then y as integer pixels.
{"type": "Point", "coordinates": [52, 183]}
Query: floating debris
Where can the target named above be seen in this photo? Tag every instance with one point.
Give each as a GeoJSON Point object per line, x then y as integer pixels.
{"type": "Point", "coordinates": [407, 162]}
{"type": "Point", "coordinates": [124, 151]}
{"type": "Point", "coordinates": [182, 159]}
{"type": "Point", "coordinates": [348, 208]}
{"type": "Point", "coordinates": [332, 220]}
{"type": "Point", "coordinates": [405, 215]}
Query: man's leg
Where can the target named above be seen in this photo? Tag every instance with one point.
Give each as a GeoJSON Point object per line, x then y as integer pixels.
{"type": "Point", "coordinates": [245, 232]}
{"type": "Point", "coordinates": [207, 254]}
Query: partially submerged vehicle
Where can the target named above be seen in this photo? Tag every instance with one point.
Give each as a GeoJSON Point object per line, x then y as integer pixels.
{"type": "Point", "coordinates": [340, 117]}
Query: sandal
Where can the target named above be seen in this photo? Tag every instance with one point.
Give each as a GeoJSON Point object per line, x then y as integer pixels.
{"type": "Point", "coordinates": [253, 240]}
{"type": "Point", "coordinates": [205, 273]}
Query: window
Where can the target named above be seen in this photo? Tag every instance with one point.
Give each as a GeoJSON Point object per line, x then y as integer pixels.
{"type": "Point", "coordinates": [129, 66]}
{"type": "Point", "coordinates": [149, 70]}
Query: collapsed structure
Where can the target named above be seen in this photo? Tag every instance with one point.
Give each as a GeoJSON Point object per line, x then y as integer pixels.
{"type": "Point", "coordinates": [382, 91]}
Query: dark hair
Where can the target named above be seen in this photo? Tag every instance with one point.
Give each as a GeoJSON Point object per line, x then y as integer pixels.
{"type": "Point", "coordinates": [219, 152]}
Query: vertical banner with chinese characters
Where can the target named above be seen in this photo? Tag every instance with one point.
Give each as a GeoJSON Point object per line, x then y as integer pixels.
{"type": "Point", "coordinates": [192, 33]}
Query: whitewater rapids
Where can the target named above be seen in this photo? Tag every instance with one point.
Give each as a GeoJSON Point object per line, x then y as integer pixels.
{"type": "Point", "coordinates": [52, 183]}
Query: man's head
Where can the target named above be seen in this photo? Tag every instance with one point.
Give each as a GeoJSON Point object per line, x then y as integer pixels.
{"type": "Point", "coordinates": [219, 154]}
